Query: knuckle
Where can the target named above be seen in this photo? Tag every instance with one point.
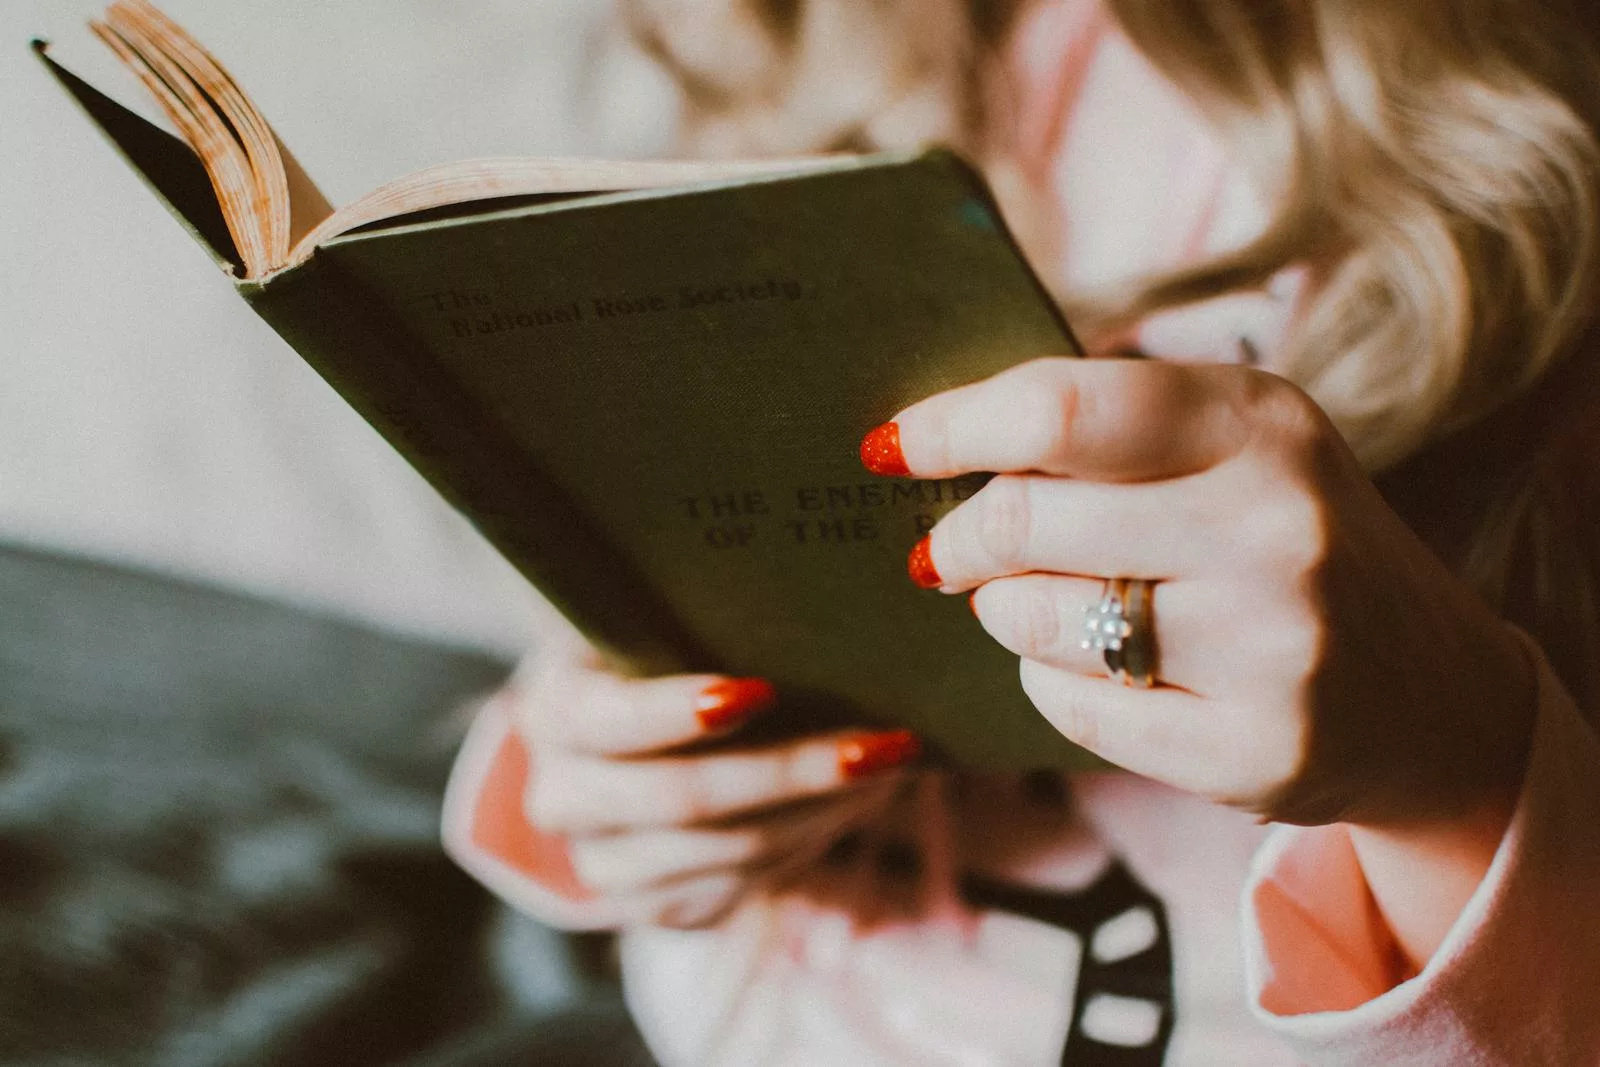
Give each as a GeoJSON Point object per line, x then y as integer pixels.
{"type": "Point", "coordinates": [549, 699]}
{"type": "Point", "coordinates": [1308, 542]}
{"type": "Point", "coordinates": [1290, 534]}
{"type": "Point", "coordinates": [1287, 638]}
{"type": "Point", "coordinates": [1037, 624]}
{"type": "Point", "coordinates": [797, 773]}
{"type": "Point", "coordinates": [1287, 422]}
{"type": "Point", "coordinates": [1046, 374]}
{"type": "Point", "coordinates": [1278, 759]}
{"type": "Point", "coordinates": [559, 723]}
{"type": "Point", "coordinates": [550, 802]}
{"type": "Point", "coordinates": [1285, 746]}
{"type": "Point", "coordinates": [1303, 641]}
{"type": "Point", "coordinates": [694, 799]}
{"type": "Point", "coordinates": [1047, 408]}
{"type": "Point", "coordinates": [1004, 522]}
{"type": "Point", "coordinates": [1292, 649]}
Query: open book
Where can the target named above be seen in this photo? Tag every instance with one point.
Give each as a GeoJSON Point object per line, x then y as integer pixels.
{"type": "Point", "coordinates": [274, 213]}
{"type": "Point", "coordinates": [646, 382]}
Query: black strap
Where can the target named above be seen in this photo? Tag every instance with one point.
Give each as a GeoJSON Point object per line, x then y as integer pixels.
{"type": "Point", "coordinates": [1146, 975]}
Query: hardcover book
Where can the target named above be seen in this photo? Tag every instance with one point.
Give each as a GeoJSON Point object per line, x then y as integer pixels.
{"type": "Point", "coordinates": [646, 383]}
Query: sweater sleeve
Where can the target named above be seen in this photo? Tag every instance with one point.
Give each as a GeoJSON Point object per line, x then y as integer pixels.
{"type": "Point", "coordinates": [485, 829]}
{"type": "Point", "coordinates": [1515, 980]}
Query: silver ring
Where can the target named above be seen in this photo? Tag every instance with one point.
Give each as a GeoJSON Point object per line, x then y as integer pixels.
{"type": "Point", "coordinates": [1121, 629]}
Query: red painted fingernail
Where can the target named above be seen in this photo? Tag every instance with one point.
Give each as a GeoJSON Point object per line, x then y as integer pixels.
{"type": "Point", "coordinates": [871, 753]}
{"type": "Point", "coordinates": [920, 565]}
{"type": "Point", "coordinates": [880, 451]}
{"type": "Point", "coordinates": [726, 704]}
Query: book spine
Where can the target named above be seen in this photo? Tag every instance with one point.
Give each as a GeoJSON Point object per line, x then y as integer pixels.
{"type": "Point", "coordinates": [391, 379]}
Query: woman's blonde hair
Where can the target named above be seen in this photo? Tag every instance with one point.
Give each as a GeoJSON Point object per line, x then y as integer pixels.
{"type": "Point", "coordinates": [1433, 162]}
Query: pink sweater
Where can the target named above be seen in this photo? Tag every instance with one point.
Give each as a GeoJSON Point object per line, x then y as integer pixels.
{"type": "Point", "coordinates": [1145, 924]}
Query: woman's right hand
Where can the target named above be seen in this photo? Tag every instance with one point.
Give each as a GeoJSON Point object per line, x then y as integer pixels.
{"type": "Point", "coordinates": [664, 831]}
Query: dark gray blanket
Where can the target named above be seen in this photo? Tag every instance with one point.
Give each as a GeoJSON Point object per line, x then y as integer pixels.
{"type": "Point", "coordinates": [218, 822]}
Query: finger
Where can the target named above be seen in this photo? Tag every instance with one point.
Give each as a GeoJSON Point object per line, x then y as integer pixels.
{"type": "Point", "coordinates": [576, 794]}
{"type": "Point", "coordinates": [597, 711]}
{"type": "Point", "coordinates": [1166, 734]}
{"type": "Point", "coordinates": [703, 898]}
{"type": "Point", "coordinates": [632, 862]}
{"type": "Point", "coordinates": [1043, 617]}
{"type": "Point", "coordinates": [1022, 523]}
{"type": "Point", "coordinates": [1112, 420]}
{"type": "Point", "coordinates": [693, 904]}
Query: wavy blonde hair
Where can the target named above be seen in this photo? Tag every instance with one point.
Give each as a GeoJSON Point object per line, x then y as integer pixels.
{"type": "Point", "coordinates": [1434, 160]}
{"type": "Point", "coordinates": [1435, 164]}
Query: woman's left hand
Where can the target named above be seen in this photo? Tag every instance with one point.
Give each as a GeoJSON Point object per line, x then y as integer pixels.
{"type": "Point", "coordinates": [1316, 662]}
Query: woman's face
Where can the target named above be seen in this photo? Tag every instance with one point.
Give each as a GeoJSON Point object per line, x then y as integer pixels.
{"type": "Point", "coordinates": [1138, 185]}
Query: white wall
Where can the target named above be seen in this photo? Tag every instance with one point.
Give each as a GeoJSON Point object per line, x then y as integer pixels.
{"type": "Point", "coordinates": [146, 415]}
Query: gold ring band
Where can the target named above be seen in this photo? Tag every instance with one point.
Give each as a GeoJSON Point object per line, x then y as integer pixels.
{"type": "Point", "coordinates": [1121, 627]}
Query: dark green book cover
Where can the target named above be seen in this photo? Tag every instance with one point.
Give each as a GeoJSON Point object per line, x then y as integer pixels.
{"type": "Point", "coordinates": [651, 404]}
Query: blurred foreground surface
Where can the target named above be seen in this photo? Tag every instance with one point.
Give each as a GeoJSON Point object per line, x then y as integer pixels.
{"type": "Point", "coordinates": [218, 843]}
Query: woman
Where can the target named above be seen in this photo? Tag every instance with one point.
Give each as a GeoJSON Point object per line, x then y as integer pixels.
{"type": "Point", "coordinates": [1318, 241]}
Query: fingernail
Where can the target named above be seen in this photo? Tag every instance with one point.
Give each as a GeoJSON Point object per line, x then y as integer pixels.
{"type": "Point", "coordinates": [880, 451]}
{"type": "Point", "coordinates": [871, 753]}
{"type": "Point", "coordinates": [725, 704]}
{"type": "Point", "coordinates": [920, 565]}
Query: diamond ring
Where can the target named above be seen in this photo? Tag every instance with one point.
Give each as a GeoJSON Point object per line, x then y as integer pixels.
{"type": "Point", "coordinates": [1120, 627]}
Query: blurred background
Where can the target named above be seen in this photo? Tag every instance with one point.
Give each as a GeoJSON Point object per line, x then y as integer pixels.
{"type": "Point", "coordinates": [237, 634]}
{"type": "Point", "coordinates": [146, 415]}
